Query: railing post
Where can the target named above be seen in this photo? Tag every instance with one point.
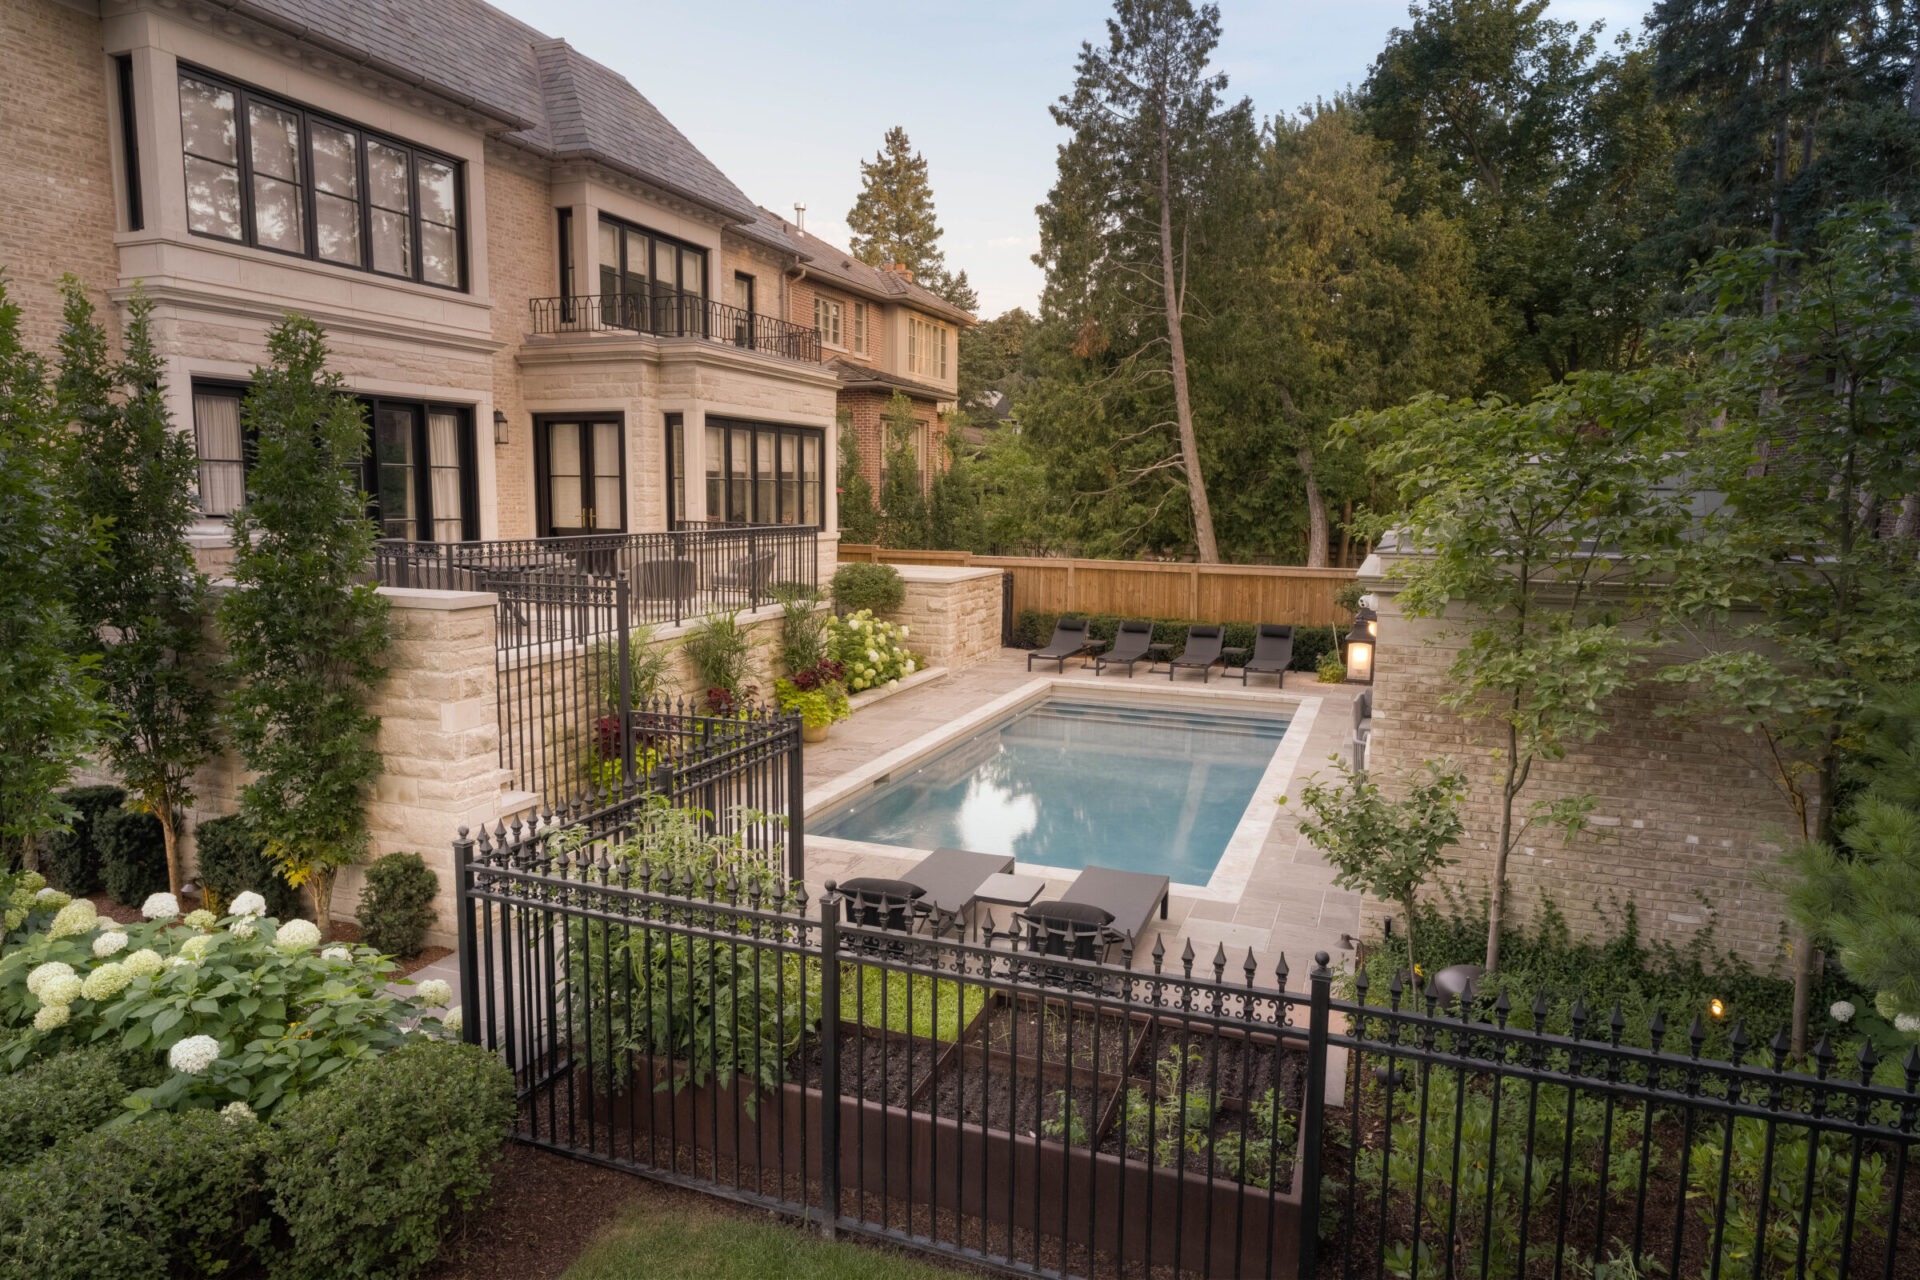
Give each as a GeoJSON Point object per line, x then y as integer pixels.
{"type": "Point", "coordinates": [1313, 1112]}
{"type": "Point", "coordinates": [753, 570]}
{"type": "Point", "coordinates": [464, 935]}
{"type": "Point", "coordinates": [796, 787]}
{"type": "Point", "coordinates": [622, 609]}
{"type": "Point", "coordinates": [829, 1062]}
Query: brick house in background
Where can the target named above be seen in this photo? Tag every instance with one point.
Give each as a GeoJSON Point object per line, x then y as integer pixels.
{"type": "Point", "coordinates": [881, 332]}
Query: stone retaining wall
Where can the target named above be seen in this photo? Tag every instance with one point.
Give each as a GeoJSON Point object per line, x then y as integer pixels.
{"type": "Point", "coordinates": [952, 614]}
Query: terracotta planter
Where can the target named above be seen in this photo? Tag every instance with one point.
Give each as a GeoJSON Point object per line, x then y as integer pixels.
{"type": "Point", "coordinates": [815, 733]}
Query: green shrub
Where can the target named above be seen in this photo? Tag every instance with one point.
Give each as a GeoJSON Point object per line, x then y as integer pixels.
{"type": "Point", "coordinates": [396, 907]}
{"type": "Point", "coordinates": [231, 859]}
{"type": "Point", "coordinates": [368, 1172]}
{"type": "Point", "coordinates": [72, 862]}
{"type": "Point", "coordinates": [168, 1195]}
{"type": "Point", "coordinates": [1033, 628]}
{"type": "Point", "coordinates": [867, 586]}
{"type": "Point", "coordinates": [133, 855]}
{"type": "Point", "coordinates": [721, 653]}
{"type": "Point", "coordinates": [46, 1102]}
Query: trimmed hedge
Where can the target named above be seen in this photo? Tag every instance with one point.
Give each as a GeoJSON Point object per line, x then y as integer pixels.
{"type": "Point", "coordinates": [56, 1098]}
{"type": "Point", "coordinates": [72, 861]}
{"type": "Point", "coordinates": [368, 1171]}
{"type": "Point", "coordinates": [230, 859]}
{"type": "Point", "coordinates": [867, 586]}
{"type": "Point", "coordinates": [1033, 628]}
{"type": "Point", "coordinates": [171, 1194]}
{"type": "Point", "coordinates": [133, 855]}
{"type": "Point", "coordinates": [396, 907]}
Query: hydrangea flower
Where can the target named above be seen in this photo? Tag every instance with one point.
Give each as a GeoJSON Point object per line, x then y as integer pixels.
{"type": "Point", "coordinates": [160, 906]}
{"type": "Point", "coordinates": [109, 943]}
{"type": "Point", "coordinates": [61, 988]}
{"type": "Point", "coordinates": [248, 904]}
{"type": "Point", "coordinates": [51, 969]}
{"type": "Point", "coordinates": [297, 935]}
{"type": "Point", "coordinates": [453, 1022]}
{"type": "Point", "coordinates": [197, 946]}
{"type": "Point", "coordinates": [194, 1054]}
{"type": "Point", "coordinates": [106, 982]}
{"type": "Point", "coordinates": [144, 963]}
{"type": "Point", "coordinates": [904, 633]}
{"type": "Point", "coordinates": [51, 1016]}
{"type": "Point", "coordinates": [238, 1113]}
{"type": "Point", "coordinates": [200, 918]}
{"type": "Point", "coordinates": [76, 917]}
{"type": "Point", "coordinates": [436, 991]}
{"type": "Point", "coordinates": [242, 927]}
{"type": "Point", "coordinates": [1907, 1024]}
{"type": "Point", "coordinates": [50, 899]}
{"type": "Point", "coordinates": [1842, 1011]}
{"type": "Point", "coordinates": [179, 962]}
{"type": "Point", "coordinates": [336, 953]}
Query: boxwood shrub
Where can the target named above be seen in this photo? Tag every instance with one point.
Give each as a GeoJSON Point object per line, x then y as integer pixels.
{"type": "Point", "coordinates": [171, 1194]}
{"type": "Point", "coordinates": [72, 862]}
{"type": "Point", "coordinates": [45, 1102]}
{"type": "Point", "coordinates": [367, 1172]}
{"type": "Point", "coordinates": [867, 586]}
{"type": "Point", "coordinates": [133, 855]}
{"type": "Point", "coordinates": [232, 859]}
{"type": "Point", "coordinates": [1032, 628]}
{"type": "Point", "coordinates": [396, 907]}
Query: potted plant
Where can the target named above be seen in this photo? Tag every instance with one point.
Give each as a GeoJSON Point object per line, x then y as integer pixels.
{"type": "Point", "coordinates": [818, 695]}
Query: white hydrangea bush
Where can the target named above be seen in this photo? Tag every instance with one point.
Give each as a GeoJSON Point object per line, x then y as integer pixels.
{"type": "Point", "coordinates": [242, 1015]}
{"type": "Point", "coordinates": [874, 653]}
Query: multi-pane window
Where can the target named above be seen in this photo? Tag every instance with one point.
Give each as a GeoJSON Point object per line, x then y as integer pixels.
{"type": "Point", "coordinates": [650, 282]}
{"type": "Point", "coordinates": [222, 447]}
{"type": "Point", "coordinates": [276, 176]}
{"type": "Point", "coordinates": [420, 471]}
{"type": "Point", "coordinates": [860, 327]}
{"type": "Point", "coordinates": [826, 319]}
{"type": "Point", "coordinates": [757, 473]}
{"type": "Point", "coordinates": [926, 348]}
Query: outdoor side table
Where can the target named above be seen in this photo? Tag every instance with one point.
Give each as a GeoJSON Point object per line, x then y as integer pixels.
{"type": "Point", "coordinates": [1005, 889]}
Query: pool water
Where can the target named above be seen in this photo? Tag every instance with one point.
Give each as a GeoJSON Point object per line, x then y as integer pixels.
{"type": "Point", "coordinates": [1067, 783]}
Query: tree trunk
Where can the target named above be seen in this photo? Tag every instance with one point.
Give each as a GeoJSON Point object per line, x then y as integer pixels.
{"type": "Point", "coordinates": [1413, 959]}
{"type": "Point", "coordinates": [1346, 532]}
{"type": "Point", "coordinates": [1174, 294]}
{"type": "Point", "coordinates": [171, 837]}
{"type": "Point", "coordinates": [1316, 511]}
{"type": "Point", "coordinates": [321, 883]}
{"type": "Point", "coordinates": [1497, 899]}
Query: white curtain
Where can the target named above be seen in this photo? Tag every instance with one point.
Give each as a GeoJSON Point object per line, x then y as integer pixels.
{"type": "Point", "coordinates": [223, 474]}
{"type": "Point", "coordinates": [443, 455]}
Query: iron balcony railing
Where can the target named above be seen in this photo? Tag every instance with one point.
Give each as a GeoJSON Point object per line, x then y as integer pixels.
{"type": "Point", "coordinates": [564, 589]}
{"type": "Point", "coordinates": [675, 315]}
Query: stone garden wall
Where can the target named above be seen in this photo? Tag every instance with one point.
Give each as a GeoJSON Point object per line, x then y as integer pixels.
{"type": "Point", "coordinates": [952, 614]}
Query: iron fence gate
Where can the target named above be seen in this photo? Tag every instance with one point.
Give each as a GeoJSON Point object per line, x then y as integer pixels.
{"type": "Point", "coordinates": [1041, 1115]}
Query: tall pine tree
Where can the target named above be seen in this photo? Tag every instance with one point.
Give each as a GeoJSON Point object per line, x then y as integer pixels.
{"type": "Point", "coordinates": [893, 222]}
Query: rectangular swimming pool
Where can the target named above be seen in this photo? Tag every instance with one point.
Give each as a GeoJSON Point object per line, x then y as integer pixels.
{"type": "Point", "coordinates": [1070, 782]}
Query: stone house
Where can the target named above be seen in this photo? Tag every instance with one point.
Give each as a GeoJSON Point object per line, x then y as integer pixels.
{"type": "Point", "coordinates": [881, 332]}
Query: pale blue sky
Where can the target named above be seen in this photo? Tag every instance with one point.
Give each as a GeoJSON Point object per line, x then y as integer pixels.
{"type": "Point", "coordinates": [787, 97]}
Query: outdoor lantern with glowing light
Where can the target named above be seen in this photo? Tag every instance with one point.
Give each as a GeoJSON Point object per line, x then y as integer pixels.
{"type": "Point", "coordinates": [1360, 653]}
{"type": "Point", "coordinates": [1372, 620]}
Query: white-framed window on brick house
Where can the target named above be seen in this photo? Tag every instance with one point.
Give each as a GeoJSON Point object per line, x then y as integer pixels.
{"type": "Point", "coordinates": [860, 327]}
{"type": "Point", "coordinates": [826, 319]}
{"type": "Point", "coordinates": [273, 175]}
{"type": "Point", "coordinates": [926, 348]}
{"type": "Point", "coordinates": [221, 444]}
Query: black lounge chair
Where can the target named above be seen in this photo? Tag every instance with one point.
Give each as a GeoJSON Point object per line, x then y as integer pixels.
{"type": "Point", "coordinates": [951, 879]}
{"type": "Point", "coordinates": [1202, 651]}
{"type": "Point", "coordinates": [1130, 645]}
{"type": "Point", "coordinates": [1272, 653]}
{"type": "Point", "coordinates": [1128, 897]}
{"type": "Point", "coordinates": [1069, 641]}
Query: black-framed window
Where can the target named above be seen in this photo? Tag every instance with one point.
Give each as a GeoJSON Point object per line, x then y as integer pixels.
{"type": "Point", "coordinates": [129, 141]}
{"type": "Point", "coordinates": [580, 473]}
{"type": "Point", "coordinates": [676, 469]}
{"type": "Point", "coordinates": [565, 219]}
{"type": "Point", "coordinates": [421, 472]}
{"type": "Point", "coordinates": [271, 174]}
{"type": "Point", "coordinates": [757, 472]}
{"type": "Point", "coordinates": [649, 281]}
{"type": "Point", "coordinates": [220, 439]}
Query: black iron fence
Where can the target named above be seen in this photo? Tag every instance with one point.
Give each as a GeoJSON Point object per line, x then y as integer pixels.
{"type": "Point", "coordinates": [715, 1029]}
{"type": "Point", "coordinates": [672, 314]}
{"type": "Point", "coordinates": [561, 590]}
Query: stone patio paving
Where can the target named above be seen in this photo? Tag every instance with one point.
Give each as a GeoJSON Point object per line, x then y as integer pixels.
{"type": "Point", "coordinates": [1289, 904]}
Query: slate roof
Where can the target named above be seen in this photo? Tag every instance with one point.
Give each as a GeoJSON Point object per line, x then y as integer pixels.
{"type": "Point", "coordinates": [826, 259]}
{"type": "Point", "coordinates": [547, 96]}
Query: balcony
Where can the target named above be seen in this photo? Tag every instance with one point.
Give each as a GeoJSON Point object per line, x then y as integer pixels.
{"type": "Point", "coordinates": [588, 587]}
{"type": "Point", "coordinates": [675, 315]}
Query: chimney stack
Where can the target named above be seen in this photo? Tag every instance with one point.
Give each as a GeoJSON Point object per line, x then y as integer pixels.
{"type": "Point", "coordinates": [799, 215]}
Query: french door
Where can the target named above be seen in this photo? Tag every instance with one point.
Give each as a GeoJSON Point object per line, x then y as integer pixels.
{"type": "Point", "coordinates": [420, 470]}
{"type": "Point", "coordinates": [582, 474]}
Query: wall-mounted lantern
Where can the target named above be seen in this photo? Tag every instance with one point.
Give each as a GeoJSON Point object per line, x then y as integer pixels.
{"type": "Point", "coordinates": [1360, 643]}
{"type": "Point", "coordinates": [499, 427]}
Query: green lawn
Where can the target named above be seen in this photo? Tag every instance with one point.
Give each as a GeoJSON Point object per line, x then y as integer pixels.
{"type": "Point", "coordinates": [862, 1001]}
{"type": "Point", "coordinates": [650, 1245]}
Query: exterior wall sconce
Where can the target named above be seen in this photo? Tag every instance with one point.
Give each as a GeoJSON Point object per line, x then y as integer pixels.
{"type": "Point", "coordinates": [1372, 620]}
{"type": "Point", "coordinates": [1360, 654]}
{"type": "Point", "coordinates": [499, 427]}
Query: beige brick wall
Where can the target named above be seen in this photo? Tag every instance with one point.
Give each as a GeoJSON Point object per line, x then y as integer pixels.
{"type": "Point", "coordinates": [57, 200]}
{"type": "Point", "coordinates": [523, 250]}
{"type": "Point", "coordinates": [952, 615]}
{"type": "Point", "coordinates": [1688, 825]}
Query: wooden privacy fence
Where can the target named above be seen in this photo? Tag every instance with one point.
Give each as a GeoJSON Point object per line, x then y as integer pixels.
{"type": "Point", "coordinates": [1149, 588]}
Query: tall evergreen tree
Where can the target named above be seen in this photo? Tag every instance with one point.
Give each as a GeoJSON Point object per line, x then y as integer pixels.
{"type": "Point", "coordinates": [859, 517]}
{"type": "Point", "coordinates": [306, 634]}
{"type": "Point", "coordinates": [892, 219]}
{"type": "Point", "coordinates": [1123, 234]}
{"type": "Point", "coordinates": [141, 606]}
{"type": "Point", "coordinates": [903, 497]}
{"type": "Point", "coordinates": [50, 712]}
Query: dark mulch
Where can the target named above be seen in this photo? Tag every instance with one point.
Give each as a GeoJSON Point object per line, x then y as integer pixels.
{"type": "Point", "coordinates": [544, 1211]}
{"type": "Point", "coordinates": [121, 912]}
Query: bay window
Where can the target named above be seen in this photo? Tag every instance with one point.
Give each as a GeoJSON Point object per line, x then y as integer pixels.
{"type": "Point", "coordinates": [756, 472]}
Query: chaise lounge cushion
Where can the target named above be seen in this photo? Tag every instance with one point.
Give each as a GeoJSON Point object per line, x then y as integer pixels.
{"type": "Point", "coordinates": [1071, 912]}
